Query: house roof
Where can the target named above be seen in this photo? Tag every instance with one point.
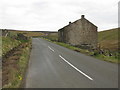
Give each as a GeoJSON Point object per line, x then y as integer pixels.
{"type": "Point", "coordinates": [82, 17]}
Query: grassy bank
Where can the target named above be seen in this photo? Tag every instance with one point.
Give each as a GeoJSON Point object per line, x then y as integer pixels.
{"type": "Point", "coordinates": [8, 44]}
{"type": "Point", "coordinates": [0, 46]}
{"type": "Point", "coordinates": [18, 66]}
{"type": "Point", "coordinates": [108, 39]}
{"type": "Point", "coordinates": [15, 52]}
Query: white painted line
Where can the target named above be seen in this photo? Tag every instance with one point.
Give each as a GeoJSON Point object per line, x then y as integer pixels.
{"type": "Point", "coordinates": [50, 48]}
{"type": "Point", "coordinates": [76, 68]}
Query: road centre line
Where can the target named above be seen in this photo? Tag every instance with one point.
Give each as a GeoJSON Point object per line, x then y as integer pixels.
{"type": "Point", "coordinates": [51, 48]}
{"type": "Point", "coordinates": [75, 68]}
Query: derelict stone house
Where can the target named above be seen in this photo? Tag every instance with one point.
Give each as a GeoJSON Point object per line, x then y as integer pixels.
{"type": "Point", "coordinates": [79, 33]}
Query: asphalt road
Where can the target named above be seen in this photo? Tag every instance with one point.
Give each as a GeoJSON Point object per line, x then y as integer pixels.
{"type": "Point", "coordinates": [53, 66]}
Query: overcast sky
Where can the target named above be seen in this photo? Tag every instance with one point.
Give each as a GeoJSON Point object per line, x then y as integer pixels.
{"type": "Point", "coordinates": [51, 15]}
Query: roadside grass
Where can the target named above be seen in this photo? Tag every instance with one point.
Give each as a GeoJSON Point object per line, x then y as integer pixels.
{"type": "Point", "coordinates": [16, 64]}
{"type": "Point", "coordinates": [112, 59]}
{"type": "Point", "coordinates": [0, 46]}
{"type": "Point", "coordinates": [19, 72]}
{"type": "Point", "coordinates": [85, 51]}
{"type": "Point", "coordinates": [0, 61]}
{"type": "Point", "coordinates": [8, 44]}
{"type": "Point", "coordinates": [72, 47]}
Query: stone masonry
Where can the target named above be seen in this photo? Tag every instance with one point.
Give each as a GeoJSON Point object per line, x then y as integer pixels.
{"type": "Point", "coordinates": [79, 33]}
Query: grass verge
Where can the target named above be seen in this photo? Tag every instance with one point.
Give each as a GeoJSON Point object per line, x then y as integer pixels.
{"type": "Point", "coordinates": [18, 67]}
{"type": "Point", "coordinates": [0, 46]}
{"type": "Point", "coordinates": [112, 59]}
{"type": "Point", "coordinates": [8, 44]}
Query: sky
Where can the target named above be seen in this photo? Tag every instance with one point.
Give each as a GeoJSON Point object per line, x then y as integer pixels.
{"type": "Point", "coordinates": [51, 15]}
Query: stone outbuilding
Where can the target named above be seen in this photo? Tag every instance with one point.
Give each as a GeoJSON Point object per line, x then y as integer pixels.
{"type": "Point", "coordinates": [79, 33]}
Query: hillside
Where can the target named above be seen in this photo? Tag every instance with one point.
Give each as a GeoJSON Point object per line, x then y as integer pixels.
{"type": "Point", "coordinates": [28, 33]}
{"type": "Point", "coordinates": [108, 39]}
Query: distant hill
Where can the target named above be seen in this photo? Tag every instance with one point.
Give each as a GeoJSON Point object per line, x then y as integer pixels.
{"type": "Point", "coordinates": [29, 33]}
{"type": "Point", "coordinates": [108, 39]}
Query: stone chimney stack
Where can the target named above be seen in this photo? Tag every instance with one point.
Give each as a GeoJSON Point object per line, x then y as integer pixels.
{"type": "Point", "coordinates": [82, 16]}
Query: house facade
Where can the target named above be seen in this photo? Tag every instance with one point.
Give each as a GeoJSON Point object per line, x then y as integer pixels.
{"type": "Point", "coordinates": [79, 33]}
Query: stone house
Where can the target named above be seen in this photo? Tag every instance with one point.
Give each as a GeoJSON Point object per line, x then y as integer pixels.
{"type": "Point", "coordinates": [79, 33]}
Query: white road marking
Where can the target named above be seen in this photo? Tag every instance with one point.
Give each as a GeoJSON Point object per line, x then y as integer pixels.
{"type": "Point", "coordinates": [50, 48]}
{"type": "Point", "coordinates": [75, 68]}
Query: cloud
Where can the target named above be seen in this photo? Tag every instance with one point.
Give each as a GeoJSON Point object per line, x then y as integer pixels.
{"type": "Point", "coordinates": [51, 15]}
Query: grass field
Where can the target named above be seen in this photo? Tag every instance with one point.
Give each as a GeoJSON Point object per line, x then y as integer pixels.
{"type": "Point", "coordinates": [108, 39]}
{"type": "Point", "coordinates": [53, 37]}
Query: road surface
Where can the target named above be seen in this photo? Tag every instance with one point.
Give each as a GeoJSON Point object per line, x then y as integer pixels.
{"type": "Point", "coordinates": [53, 66]}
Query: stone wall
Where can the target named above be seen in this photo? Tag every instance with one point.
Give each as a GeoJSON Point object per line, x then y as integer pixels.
{"type": "Point", "coordinates": [22, 37]}
{"type": "Point", "coordinates": [4, 32]}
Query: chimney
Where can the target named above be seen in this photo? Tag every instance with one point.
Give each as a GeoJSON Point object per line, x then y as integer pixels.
{"type": "Point", "coordinates": [69, 22]}
{"type": "Point", "coordinates": [82, 16]}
